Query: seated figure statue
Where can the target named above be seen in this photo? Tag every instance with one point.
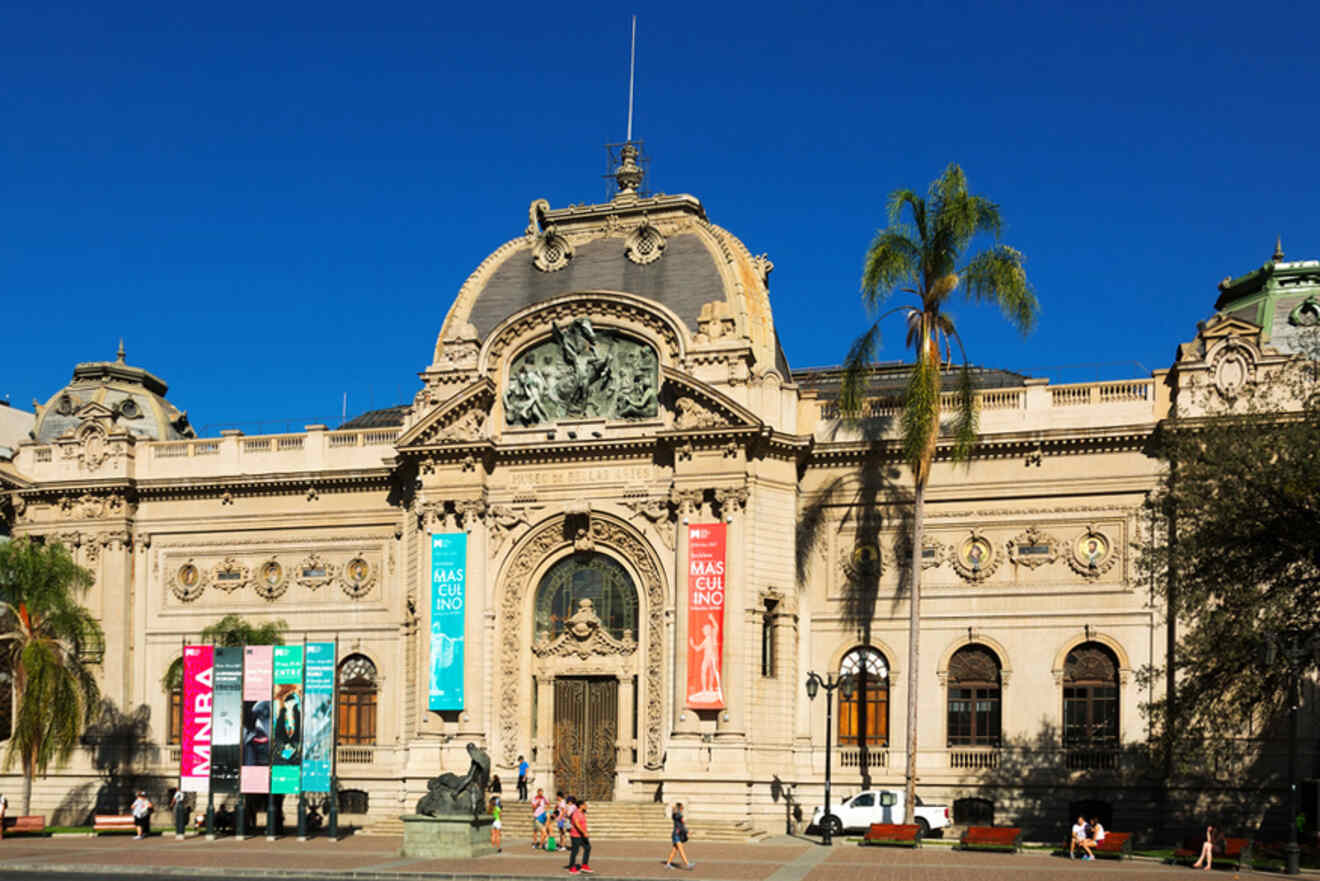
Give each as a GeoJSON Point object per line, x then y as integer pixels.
{"type": "Point", "coordinates": [452, 794]}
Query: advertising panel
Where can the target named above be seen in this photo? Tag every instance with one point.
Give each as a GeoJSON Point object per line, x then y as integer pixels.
{"type": "Point", "coordinates": [318, 716]}
{"type": "Point", "coordinates": [226, 728]}
{"type": "Point", "coordinates": [706, 547]}
{"type": "Point", "coordinates": [198, 699]}
{"type": "Point", "coordinates": [448, 601]}
{"type": "Point", "coordinates": [286, 739]}
{"type": "Point", "coordinates": [257, 660]}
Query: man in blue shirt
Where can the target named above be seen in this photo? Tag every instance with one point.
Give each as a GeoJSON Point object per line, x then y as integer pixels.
{"type": "Point", "coordinates": [522, 779]}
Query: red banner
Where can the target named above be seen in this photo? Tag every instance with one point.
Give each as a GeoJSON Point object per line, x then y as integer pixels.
{"type": "Point", "coordinates": [705, 688]}
{"type": "Point", "coordinates": [198, 700]}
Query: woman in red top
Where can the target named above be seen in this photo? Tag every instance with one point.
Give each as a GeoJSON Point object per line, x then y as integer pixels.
{"type": "Point", "coordinates": [577, 831]}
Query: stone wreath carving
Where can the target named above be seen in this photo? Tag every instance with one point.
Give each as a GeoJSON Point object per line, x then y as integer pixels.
{"type": "Point", "coordinates": [272, 579]}
{"type": "Point", "coordinates": [230, 575]}
{"type": "Point", "coordinates": [187, 582]}
{"type": "Point", "coordinates": [1233, 371]}
{"type": "Point", "coordinates": [975, 557]}
{"type": "Point", "coordinates": [1092, 553]}
{"type": "Point", "coordinates": [549, 539]}
{"type": "Point", "coordinates": [645, 245]}
{"type": "Point", "coordinates": [861, 560]}
{"type": "Point", "coordinates": [933, 551]}
{"type": "Point", "coordinates": [313, 572]}
{"type": "Point", "coordinates": [358, 578]}
{"type": "Point", "coordinates": [1033, 548]}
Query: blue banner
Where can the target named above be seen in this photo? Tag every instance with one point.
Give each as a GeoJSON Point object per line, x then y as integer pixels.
{"type": "Point", "coordinates": [448, 613]}
{"type": "Point", "coordinates": [318, 716]}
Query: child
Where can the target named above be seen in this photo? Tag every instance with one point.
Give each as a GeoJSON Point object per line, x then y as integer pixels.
{"type": "Point", "coordinates": [496, 836]}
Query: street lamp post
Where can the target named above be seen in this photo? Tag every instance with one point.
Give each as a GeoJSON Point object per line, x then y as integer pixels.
{"type": "Point", "coordinates": [829, 683]}
{"type": "Point", "coordinates": [1298, 650]}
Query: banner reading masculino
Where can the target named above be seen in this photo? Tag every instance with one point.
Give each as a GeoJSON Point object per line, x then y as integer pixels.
{"type": "Point", "coordinates": [286, 738]}
{"type": "Point", "coordinates": [225, 731]}
{"type": "Point", "coordinates": [448, 601]}
{"type": "Point", "coordinates": [198, 700]}
{"type": "Point", "coordinates": [318, 716]}
{"type": "Point", "coordinates": [706, 546]}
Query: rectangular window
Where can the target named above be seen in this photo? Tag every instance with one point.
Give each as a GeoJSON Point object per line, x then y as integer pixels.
{"type": "Point", "coordinates": [768, 638]}
{"type": "Point", "coordinates": [974, 716]}
{"type": "Point", "coordinates": [1090, 715]}
{"type": "Point", "coordinates": [176, 717]}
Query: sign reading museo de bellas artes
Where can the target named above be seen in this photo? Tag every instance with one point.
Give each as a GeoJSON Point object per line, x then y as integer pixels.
{"type": "Point", "coordinates": [198, 706]}
{"type": "Point", "coordinates": [706, 568]}
{"type": "Point", "coordinates": [448, 618]}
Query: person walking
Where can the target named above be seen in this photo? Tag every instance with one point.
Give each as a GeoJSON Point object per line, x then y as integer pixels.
{"type": "Point", "coordinates": [496, 833]}
{"type": "Point", "coordinates": [679, 837]}
{"type": "Point", "coordinates": [1213, 842]}
{"type": "Point", "coordinates": [540, 805]}
{"type": "Point", "coordinates": [141, 810]}
{"type": "Point", "coordinates": [522, 778]}
{"type": "Point", "coordinates": [577, 831]}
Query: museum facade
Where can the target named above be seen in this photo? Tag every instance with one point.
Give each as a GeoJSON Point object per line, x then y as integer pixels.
{"type": "Point", "coordinates": [661, 528]}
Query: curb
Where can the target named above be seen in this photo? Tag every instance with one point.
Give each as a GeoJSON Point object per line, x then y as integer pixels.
{"type": "Point", "coordinates": [208, 871]}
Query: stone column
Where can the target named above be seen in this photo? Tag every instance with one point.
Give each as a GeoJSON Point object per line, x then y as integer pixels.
{"type": "Point", "coordinates": [624, 746]}
{"type": "Point", "coordinates": [545, 732]}
{"type": "Point", "coordinates": [689, 511]}
{"type": "Point", "coordinates": [731, 722]}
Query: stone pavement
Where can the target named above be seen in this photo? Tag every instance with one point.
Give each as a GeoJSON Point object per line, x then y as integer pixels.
{"type": "Point", "coordinates": [779, 859]}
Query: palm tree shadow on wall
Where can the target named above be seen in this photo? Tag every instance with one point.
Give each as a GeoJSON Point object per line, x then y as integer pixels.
{"type": "Point", "coordinates": [120, 748]}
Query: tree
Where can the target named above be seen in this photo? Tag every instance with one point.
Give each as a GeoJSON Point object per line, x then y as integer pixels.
{"type": "Point", "coordinates": [231, 630]}
{"type": "Point", "coordinates": [43, 630]}
{"type": "Point", "coordinates": [920, 254]}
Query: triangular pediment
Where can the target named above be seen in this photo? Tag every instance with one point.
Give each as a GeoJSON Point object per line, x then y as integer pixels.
{"type": "Point", "coordinates": [699, 406]}
{"type": "Point", "coordinates": [460, 419]}
{"type": "Point", "coordinates": [1226, 326]}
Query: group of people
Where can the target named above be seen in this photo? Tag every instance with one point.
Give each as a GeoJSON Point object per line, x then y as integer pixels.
{"type": "Point", "coordinates": [1086, 836]}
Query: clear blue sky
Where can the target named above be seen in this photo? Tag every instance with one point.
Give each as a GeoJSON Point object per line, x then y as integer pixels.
{"type": "Point", "coordinates": [275, 204]}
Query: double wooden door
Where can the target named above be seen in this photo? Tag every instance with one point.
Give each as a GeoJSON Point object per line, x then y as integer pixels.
{"type": "Point", "coordinates": [586, 733]}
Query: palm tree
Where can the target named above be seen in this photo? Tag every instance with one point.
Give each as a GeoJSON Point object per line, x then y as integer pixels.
{"type": "Point", "coordinates": [919, 254]}
{"type": "Point", "coordinates": [43, 632]}
{"type": "Point", "coordinates": [231, 630]}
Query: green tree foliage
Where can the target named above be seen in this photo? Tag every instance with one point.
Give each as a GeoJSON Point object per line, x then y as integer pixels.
{"type": "Point", "coordinates": [43, 629]}
{"type": "Point", "coordinates": [231, 630]}
{"type": "Point", "coordinates": [923, 255]}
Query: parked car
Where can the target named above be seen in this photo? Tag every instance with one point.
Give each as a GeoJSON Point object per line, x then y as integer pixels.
{"type": "Point", "coordinates": [879, 806]}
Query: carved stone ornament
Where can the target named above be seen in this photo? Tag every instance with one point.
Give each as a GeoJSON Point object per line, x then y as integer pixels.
{"type": "Point", "coordinates": [551, 251]}
{"type": "Point", "coordinates": [1233, 370]}
{"type": "Point", "coordinates": [656, 511]}
{"type": "Point", "coordinates": [975, 557]}
{"type": "Point", "coordinates": [500, 522]}
{"type": "Point", "coordinates": [1033, 548]}
{"type": "Point", "coordinates": [645, 245]}
{"type": "Point", "coordinates": [582, 373]}
{"type": "Point", "coordinates": [548, 540]}
{"type": "Point", "coordinates": [1305, 313]}
{"type": "Point", "coordinates": [230, 575]}
{"type": "Point", "coordinates": [933, 553]}
{"type": "Point", "coordinates": [1092, 554]}
{"type": "Point", "coordinates": [272, 579]}
{"type": "Point", "coordinates": [690, 414]}
{"type": "Point", "coordinates": [187, 582]}
{"type": "Point", "coordinates": [87, 507]}
{"type": "Point", "coordinates": [313, 572]}
{"type": "Point", "coordinates": [465, 428]}
{"type": "Point", "coordinates": [715, 322]}
{"type": "Point", "coordinates": [584, 638]}
{"type": "Point", "coordinates": [95, 449]}
{"type": "Point", "coordinates": [861, 560]}
{"type": "Point", "coordinates": [358, 578]}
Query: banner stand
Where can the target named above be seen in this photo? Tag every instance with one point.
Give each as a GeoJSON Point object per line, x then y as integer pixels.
{"type": "Point", "coordinates": [334, 756]}
{"type": "Point", "coordinates": [210, 815]}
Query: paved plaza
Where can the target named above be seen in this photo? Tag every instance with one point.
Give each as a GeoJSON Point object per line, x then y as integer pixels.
{"type": "Point", "coordinates": [780, 859]}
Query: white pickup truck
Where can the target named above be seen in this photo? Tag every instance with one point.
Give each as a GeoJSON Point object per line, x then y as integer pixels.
{"type": "Point", "coordinates": [879, 806]}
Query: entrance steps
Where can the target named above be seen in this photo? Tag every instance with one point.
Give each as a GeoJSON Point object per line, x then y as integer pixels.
{"type": "Point", "coordinates": [610, 820]}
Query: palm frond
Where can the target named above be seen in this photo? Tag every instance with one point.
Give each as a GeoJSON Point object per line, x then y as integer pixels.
{"type": "Point", "coordinates": [892, 259]}
{"type": "Point", "coordinates": [861, 355]}
{"type": "Point", "coordinates": [966, 415]}
{"type": "Point", "coordinates": [998, 275]}
{"type": "Point", "coordinates": [900, 198]}
{"type": "Point", "coordinates": [921, 413]}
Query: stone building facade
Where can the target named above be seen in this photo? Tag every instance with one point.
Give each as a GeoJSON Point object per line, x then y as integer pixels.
{"type": "Point", "coordinates": [602, 383]}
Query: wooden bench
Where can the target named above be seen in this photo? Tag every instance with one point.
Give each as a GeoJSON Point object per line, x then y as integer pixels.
{"type": "Point", "coordinates": [1115, 844]}
{"type": "Point", "coordinates": [898, 834]}
{"type": "Point", "coordinates": [1236, 849]}
{"type": "Point", "coordinates": [33, 824]}
{"type": "Point", "coordinates": [113, 823]}
{"type": "Point", "coordinates": [1008, 838]}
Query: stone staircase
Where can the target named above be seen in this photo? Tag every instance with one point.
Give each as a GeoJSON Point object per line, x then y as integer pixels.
{"type": "Point", "coordinates": [610, 820]}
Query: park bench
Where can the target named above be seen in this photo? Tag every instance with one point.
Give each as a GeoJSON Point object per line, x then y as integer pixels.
{"type": "Point", "coordinates": [113, 823]}
{"type": "Point", "coordinates": [899, 834]}
{"type": "Point", "coordinates": [1115, 844]}
{"type": "Point", "coordinates": [33, 824]}
{"type": "Point", "coordinates": [1007, 838]}
{"type": "Point", "coordinates": [1236, 849]}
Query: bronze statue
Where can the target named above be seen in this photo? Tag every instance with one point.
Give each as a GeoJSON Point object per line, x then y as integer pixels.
{"type": "Point", "coordinates": [451, 794]}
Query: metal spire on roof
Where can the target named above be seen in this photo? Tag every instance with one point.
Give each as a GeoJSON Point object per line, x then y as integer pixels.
{"type": "Point", "coordinates": [119, 353]}
{"type": "Point", "coordinates": [1278, 249]}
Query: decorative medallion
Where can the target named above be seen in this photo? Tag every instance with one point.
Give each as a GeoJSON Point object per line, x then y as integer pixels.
{"type": "Point", "coordinates": [1306, 313]}
{"type": "Point", "coordinates": [358, 578]}
{"type": "Point", "coordinates": [551, 251]}
{"type": "Point", "coordinates": [863, 561]}
{"type": "Point", "coordinates": [932, 551]}
{"type": "Point", "coordinates": [645, 245]}
{"type": "Point", "coordinates": [975, 558]}
{"type": "Point", "coordinates": [272, 581]}
{"type": "Point", "coordinates": [230, 575]}
{"type": "Point", "coordinates": [1033, 548]}
{"type": "Point", "coordinates": [1233, 370]}
{"type": "Point", "coordinates": [1092, 553]}
{"type": "Point", "coordinates": [187, 582]}
{"type": "Point", "coordinates": [313, 572]}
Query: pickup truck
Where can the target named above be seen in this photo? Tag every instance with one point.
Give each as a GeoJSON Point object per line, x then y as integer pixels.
{"type": "Point", "coordinates": [879, 806]}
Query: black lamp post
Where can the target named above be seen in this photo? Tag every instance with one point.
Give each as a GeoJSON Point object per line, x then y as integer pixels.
{"type": "Point", "coordinates": [814, 684]}
{"type": "Point", "coordinates": [1298, 651]}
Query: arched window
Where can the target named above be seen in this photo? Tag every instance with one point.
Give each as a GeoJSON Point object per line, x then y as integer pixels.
{"type": "Point", "coordinates": [866, 713]}
{"type": "Point", "coordinates": [174, 689]}
{"type": "Point", "coordinates": [974, 683]}
{"type": "Point", "coordinates": [357, 701]}
{"type": "Point", "coordinates": [594, 578]}
{"type": "Point", "coordinates": [1090, 697]}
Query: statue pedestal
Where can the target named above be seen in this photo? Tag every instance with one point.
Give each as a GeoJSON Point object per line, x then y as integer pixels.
{"type": "Point", "coordinates": [448, 835]}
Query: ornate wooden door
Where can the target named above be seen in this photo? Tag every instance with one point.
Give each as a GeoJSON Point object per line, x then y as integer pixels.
{"type": "Point", "coordinates": [586, 730]}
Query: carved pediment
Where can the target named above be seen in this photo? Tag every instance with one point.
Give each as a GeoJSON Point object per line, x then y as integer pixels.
{"type": "Point", "coordinates": [584, 638]}
{"type": "Point", "coordinates": [460, 419]}
{"type": "Point", "coordinates": [695, 405]}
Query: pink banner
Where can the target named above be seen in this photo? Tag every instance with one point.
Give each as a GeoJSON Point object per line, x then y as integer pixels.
{"type": "Point", "coordinates": [258, 678]}
{"type": "Point", "coordinates": [706, 545]}
{"type": "Point", "coordinates": [198, 697]}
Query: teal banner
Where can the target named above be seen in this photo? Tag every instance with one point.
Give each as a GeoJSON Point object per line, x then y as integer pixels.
{"type": "Point", "coordinates": [448, 614]}
{"type": "Point", "coordinates": [318, 716]}
{"type": "Point", "coordinates": [287, 736]}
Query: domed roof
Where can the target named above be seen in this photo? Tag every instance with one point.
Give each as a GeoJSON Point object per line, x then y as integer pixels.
{"type": "Point", "coordinates": [134, 396]}
{"type": "Point", "coordinates": [659, 247]}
